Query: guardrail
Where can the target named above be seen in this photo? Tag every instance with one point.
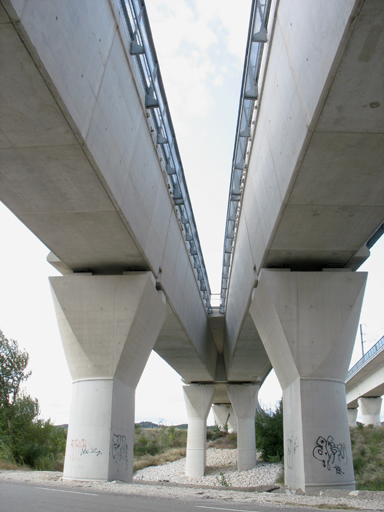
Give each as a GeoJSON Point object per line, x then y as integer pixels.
{"type": "Point", "coordinates": [372, 352]}
{"type": "Point", "coordinates": [257, 37]}
{"type": "Point", "coordinates": [143, 49]}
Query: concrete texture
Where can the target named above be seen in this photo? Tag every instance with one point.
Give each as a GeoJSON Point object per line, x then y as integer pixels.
{"type": "Point", "coordinates": [198, 401]}
{"type": "Point", "coordinates": [352, 417]}
{"type": "Point", "coordinates": [308, 323]}
{"type": "Point", "coordinates": [79, 165]}
{"type": "Point", "coordinates": [225, 416]}
{"type": "Point", "coordinates": [244, 401]}
{"type": "Point", "coordinates": [370, 410]}
{"type": "Point", "coordinates": [368, 382]}
{"type": "Point", "coordinates": [80, 168]}
{"type": "Point", "coordinates": [108, 325]}
{"type": "Point", "coordinates": [314, 187]}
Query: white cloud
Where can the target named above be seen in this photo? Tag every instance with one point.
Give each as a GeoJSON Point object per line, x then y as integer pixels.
{"type": "Point", "coordinates": [186, 32]}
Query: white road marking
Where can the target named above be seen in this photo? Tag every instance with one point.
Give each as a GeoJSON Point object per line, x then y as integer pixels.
{"type": "Point", "coordinates": [229, 509]}
{"type": "Point", "coordinates": [71, 492]}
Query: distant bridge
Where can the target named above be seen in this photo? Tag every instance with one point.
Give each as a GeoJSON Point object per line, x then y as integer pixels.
{"type": "Point", "coordinates": [365, 385]}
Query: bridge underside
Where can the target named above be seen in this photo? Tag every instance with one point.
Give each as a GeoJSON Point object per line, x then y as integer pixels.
{"type": "Point", "coordinates": [79, 167]}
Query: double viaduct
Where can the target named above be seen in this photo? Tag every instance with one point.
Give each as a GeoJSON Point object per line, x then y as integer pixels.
{"type": "Point", "coordinates": [89, 162]}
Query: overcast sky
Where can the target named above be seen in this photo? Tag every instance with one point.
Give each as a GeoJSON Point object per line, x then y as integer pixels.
{"type": "Point", "coordinates": [201, 48]}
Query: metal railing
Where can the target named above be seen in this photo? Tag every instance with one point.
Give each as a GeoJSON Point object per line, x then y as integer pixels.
{"type": "Point", "coordinates": [143, 49]}
{"type": "Point", "coordinates": [372, 352]}
{"type": "Point", "coordinates": [257, 37]}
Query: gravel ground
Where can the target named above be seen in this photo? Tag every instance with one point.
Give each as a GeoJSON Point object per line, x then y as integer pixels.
{"type": "Point", "coordinates": [221, 471]}
{"type": "Point", "coordinates": [168, 481]}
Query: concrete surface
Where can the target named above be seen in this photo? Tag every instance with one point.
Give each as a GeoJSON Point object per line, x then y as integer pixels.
{"type": "Point", "coordinates": [370, 410]}
{"type": "Point", "coordinates": [198, 401]}
{"type": "Point", "coordinates": [108, 325]}
{"type": "Point", "coordinates": [308, 323]}
{"type": "Point", "coordinates": [244, 401]}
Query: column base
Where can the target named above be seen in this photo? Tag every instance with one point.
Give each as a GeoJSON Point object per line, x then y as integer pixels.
{"type": "Point", "coordinates": [101, 431]}
{"type": "Point", "coordinates": [317, 446]}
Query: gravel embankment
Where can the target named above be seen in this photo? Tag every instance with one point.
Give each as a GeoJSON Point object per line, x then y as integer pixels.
{"type": "Point", "coordinates": [221, 471]}
{"type": "Point", "coordinates": [168, 481]}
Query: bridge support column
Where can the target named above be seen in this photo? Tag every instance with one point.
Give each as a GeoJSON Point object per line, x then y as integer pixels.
{"type": "Point", "coordinates": [352, 417]}
{"type": "Point", "coordinates": [198, 400]}
{"type": "Point", "coordinates": [224, 414]}
{"type": "Point", "coordinates": [232, 422]}
{"type": "Point", "coordinates": [108, 325]}
{"type": "Point", "coordinates": [221, 414]}
{"type": "Point", "coordinates": [307, 322]}
{"type": "Point", "coordinates": [370, 410]}
{"type": "Point", "coordinates": [244, 401]}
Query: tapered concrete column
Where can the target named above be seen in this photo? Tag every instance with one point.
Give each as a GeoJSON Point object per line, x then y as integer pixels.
{"type": "Point", "coordinates": [221, 414]}
{"type": "Point", "coordinates": [198, 401]}
{"type": "Point", "coordinates": [244, 401]}
{"type": "Point", "coordinates": [232, 422]}
{"type": "Point", "coordinates": [108, 325]}
{"type": "Point", "coordinates": [307, 322]}
{"type": "Point", "coordinates": [352, 417]}
{"type": "Point", "coordinates": [370, 410]}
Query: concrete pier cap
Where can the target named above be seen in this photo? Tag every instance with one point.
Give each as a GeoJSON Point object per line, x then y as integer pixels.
{"type": "Point", "coordinates": [307, 322]}
{"type": "Point", "coordinates": [108, 325]}
{"type": "Point", "coordinates": [225, 416]}
{"type": "Point", "coordinates": [370, 409]}
{"type": "Point", "coordinates": [352, 417]}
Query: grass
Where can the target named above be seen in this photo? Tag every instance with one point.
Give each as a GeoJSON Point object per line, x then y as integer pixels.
{"type": "Point", "coordinates": [170, 455]}
{"type": "Point", "coordinates": [156, 446]}
{"type": "Point", "coordinates": [368, 457]}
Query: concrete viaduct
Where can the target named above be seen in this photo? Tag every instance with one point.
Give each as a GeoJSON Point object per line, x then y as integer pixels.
{"type": "Point", "coordinates": [89, 162]}
{"type": "Point", "coordinates": [365, 386]}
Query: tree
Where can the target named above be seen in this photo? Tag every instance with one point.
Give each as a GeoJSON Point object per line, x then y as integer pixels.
{"type": "Point", "coordinates": [269, 434]}
{"type": "Point", "coordinates": [24, 438]}
{"type": "Point", "coordinates": [13, 364]}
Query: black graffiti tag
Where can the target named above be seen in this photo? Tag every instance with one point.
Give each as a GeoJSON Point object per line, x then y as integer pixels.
{"type": "Point", "coordinates": [332, 455]}
{"type": "Point", "coordinates": [119, 448]}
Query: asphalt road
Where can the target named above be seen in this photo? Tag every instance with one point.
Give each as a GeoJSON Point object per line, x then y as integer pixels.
{"type": "Point", "coordinates": [29, 498]}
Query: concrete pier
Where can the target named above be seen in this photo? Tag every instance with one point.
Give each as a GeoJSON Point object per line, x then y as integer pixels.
{"type": "Point", "coordinates": [307, 322]}
{"type": "Point", "coordinates": [352, 416]}
{"type": "Point", "coordinates": [198, 401]}
{"type": "Point", "coordinates": [221, 414]}
{"type": "Point", "coordinates": [108, 325]}
{"type": "Point", "coordinates": [224, 415]}
{"type": "Point", "coordinates": [370, 410]}
{"type": "Point", "coordinates": [244, 401]}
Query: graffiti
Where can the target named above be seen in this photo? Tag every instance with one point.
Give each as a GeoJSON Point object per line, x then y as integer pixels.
{"type": "Point", "coordinates": [291, 450]}
{"type": "Point", "coordinates": [332, 455]}
{"type": "Point", "coordinates": [119, 448]}
{"type": "Point", "coordinates": [81, 447]}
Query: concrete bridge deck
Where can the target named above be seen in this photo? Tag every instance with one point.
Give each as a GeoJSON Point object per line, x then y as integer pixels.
{"type": "Point", "coordinates": [89, 164]}
{"type": "Point", "coordinates": [313, 182]}
{"type": "Point", "coordinates": [81, 167]}
{"type": "Point", "coordinates": [366, 378]}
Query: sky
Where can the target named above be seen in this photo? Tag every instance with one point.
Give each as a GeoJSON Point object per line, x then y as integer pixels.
{"type": "Point", "coordinates": [201, 47]}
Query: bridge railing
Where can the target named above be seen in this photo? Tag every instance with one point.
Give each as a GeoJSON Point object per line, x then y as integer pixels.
{"type": "Point", "coordinates": [143, 49]}
{"type": "Point", "coordinates": [372, 352]}
{"type": "Point", "coordinates": [257, 36]}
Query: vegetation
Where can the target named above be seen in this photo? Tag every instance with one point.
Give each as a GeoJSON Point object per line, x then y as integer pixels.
{"type": "Point", "coordinates": [368, 457]}
{"type": "Point", "coordinates": [24, 438]}
{"type": "Point", "coordinates": [155, 446]}
{"type": "Point", "coordinates": [269, 434]}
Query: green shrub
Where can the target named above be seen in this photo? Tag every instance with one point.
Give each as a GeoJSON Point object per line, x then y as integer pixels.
{"type": "Point", "coordinates": [368, 457]}
{"type": "Point", "coordinates": [269, 434]}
